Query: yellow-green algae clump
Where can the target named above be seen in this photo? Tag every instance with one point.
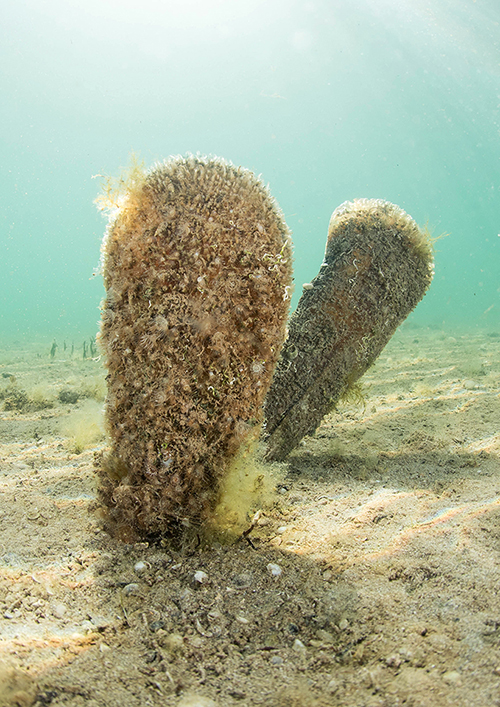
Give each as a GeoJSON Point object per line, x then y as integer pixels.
{"type": "Point", "coordinates": [197, 266]}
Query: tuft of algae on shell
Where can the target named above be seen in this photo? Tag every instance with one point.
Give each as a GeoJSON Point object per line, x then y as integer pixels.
{"type": "Point", "coordinates": [197, 266]}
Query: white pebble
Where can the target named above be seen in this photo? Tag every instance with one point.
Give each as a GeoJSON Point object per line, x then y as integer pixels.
{"type": "Point", "coordinates": [275, 570]}
{"type": "Point", "coordinates": [299, 646]}
{"type": "Point", "coordinates": [87, 626]}
{"type": "Point", "coordinates": [200, 576]}
{"type": "Point", "coordinates": [140, 567]}
{"type": "Point", "coordinates": [393, 661]}
{"type": "Point", "coordinates": [131, 588]}
{"type": "Point", "coordinates": [333, 686]}
{"type": "Point", "coordinates": [452, 677]}
{"type": "Point", "coordinates": [59, 609]}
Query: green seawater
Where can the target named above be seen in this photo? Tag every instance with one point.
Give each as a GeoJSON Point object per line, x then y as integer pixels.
{"type": "Point", "coordinates": [328, 100]}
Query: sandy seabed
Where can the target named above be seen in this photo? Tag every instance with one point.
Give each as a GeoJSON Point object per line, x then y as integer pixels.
{"type": "Point", "coordinates": [371, 580]}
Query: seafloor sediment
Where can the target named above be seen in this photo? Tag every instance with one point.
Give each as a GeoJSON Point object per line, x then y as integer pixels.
{"type": "Point", "coordinates": [369, 579]}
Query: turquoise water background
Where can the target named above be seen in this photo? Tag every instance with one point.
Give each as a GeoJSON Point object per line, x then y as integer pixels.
{"type": "Point", "coordinates": [328, 100]}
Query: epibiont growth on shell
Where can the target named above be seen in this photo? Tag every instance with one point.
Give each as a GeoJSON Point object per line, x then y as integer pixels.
{"type": "Point", "coordinates": [197, 266]}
